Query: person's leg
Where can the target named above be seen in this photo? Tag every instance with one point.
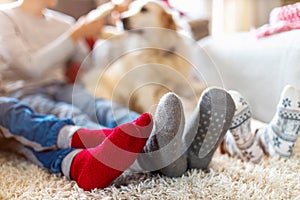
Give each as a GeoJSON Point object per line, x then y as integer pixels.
{"type": "Point", "coordinates": [41, 132]}
{"type": "Point", "coordinates": [163, 151]}
{"type": "Point", "coordinates": [279, 137]}
{"type": "Point", "coordinates": [96, 167]}
{"type": "Point", "coordinates": [87, 138]}
{"type": "Point", "coordinates": [45, 104]}
{"type": "Point", "coordinates": [207, 126]}
{"type": "Point", "coordinates": [101, 111]}
{"type": "Point", "coordinates": [240, 141]}
{"type": "Point", "coordinates": [35, 130]}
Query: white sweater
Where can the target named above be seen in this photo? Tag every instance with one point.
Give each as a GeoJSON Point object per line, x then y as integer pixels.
{"type": "Point", "coordinates": [33, 50]}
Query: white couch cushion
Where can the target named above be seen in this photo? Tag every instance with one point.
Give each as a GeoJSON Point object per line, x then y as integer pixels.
{"type": "Point", "coordinates": [258, 69]}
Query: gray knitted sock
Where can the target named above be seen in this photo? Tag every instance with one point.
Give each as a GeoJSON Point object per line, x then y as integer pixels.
{"type": "Point", "coordinates": [163, 151]}
{"type": "Point", "coordinates": [207, 126]}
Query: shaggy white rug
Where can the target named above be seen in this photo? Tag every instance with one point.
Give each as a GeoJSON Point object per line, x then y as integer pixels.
{"type": "Point", "coordinates": [227, 178]}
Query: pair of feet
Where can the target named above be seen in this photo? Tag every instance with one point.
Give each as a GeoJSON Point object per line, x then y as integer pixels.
{"type": "Point", "coordinates": [277, 139]}
{"type": "Point", "coordinates": [174, 145]}
{"type": "Point", "coordinates": [170, 146]}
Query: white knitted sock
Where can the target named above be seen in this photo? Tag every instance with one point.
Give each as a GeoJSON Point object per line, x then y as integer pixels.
{"type": "Point", "coordinates": [247, 148]}
{"type": "Point", "coordinates": [279, 136]}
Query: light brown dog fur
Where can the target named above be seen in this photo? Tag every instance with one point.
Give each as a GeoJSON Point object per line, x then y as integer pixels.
{"type": "Point", "coordinates": [159, 63]}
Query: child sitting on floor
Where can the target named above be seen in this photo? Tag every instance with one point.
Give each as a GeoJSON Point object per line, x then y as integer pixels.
{"type": "Point", "coordinates": [93, 158]}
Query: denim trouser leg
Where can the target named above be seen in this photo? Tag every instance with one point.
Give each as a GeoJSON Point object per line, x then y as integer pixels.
{"type": "Point", "coordinates": [51, 160]}
{"type": "Point", "coordinates": [34, 130]}
{"type": "Point", "coordinates": [112, 114]}
{"type": "Point", "coordinates": [102, 111]}
{"type": "Point", "coordinates": [44, 103]}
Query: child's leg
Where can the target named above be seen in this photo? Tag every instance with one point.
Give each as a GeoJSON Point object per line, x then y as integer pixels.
{"type": "Point", "coordinates": [44, 104]}
{"type": "Point", "coordinates": [88, 138]}
{"type": "Point", "coordinates": [243, 143]}
{"type": "Point", "coordinates": [99, 111]}
{"type": "Point", "coordinates": [163, 151]}
{"type": "Point", "coordinates": [280, 135]}
{"type": "Point", "coordinates": [97, 167]}
{"type": "Point", "coordinates": [37, 131]}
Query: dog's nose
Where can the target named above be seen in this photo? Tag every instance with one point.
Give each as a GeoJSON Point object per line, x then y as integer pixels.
{"type": "Point", "coordinates": [126, 23]}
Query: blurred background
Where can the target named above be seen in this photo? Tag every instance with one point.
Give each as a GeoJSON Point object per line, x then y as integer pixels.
{"type": "Point", "coordinates": [223, 16]}
{"type": "Point", "coordinates": [226, 16]}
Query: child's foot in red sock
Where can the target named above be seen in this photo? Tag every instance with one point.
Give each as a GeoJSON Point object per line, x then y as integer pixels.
{"type": "Point", "coordinates": [97, 167]}
{"type": "Point", "coordinates": [87, 138]}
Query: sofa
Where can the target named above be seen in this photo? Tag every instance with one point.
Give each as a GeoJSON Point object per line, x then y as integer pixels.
{"type": "Point", "coordinates": [258, 68]}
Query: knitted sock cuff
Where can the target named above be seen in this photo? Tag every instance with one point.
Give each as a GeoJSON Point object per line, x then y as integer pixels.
{"type": "Point", "coordinates": [289, 114]}
{"type": "Point", "coordinates": [67, 162]}
{"type": "Point", "coordinates": [286, 124]}
{"type": "Point", "coordinates": [240, 118]}
{"type": "Point", "coordinates": [65, 135]}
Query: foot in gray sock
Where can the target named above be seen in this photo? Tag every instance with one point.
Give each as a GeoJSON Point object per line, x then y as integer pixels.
{"type": "Point", "coordinates": [207, 126]}
{"type": "Point", "coordinates": [163, 151]}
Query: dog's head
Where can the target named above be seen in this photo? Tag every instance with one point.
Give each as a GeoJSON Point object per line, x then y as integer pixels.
{"type": "Point", "coordinates": [142, 14]}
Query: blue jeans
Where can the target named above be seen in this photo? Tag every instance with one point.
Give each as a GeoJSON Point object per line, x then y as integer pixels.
{"type": "Point", "coordinates": [34, 131]}
{"type": "Point", "coordinates": [65, 100]}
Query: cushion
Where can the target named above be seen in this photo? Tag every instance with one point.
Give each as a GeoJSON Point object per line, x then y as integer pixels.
{"type": "Point", "coordinates": [257, 68]}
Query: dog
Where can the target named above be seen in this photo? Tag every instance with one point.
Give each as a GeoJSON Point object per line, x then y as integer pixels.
{"type": "Point", "coordinates": [150, 59]}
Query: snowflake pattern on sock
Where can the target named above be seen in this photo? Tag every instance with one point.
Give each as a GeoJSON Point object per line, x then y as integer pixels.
{"type": "Point", "coordinates": [286, 102]}
{"type": "Point", "coordinates": [283, 132]}
{"type": "Point", "coordinates": [291, 147]}
{"type": "Point", "coordinates": [276, 142]}
{"type": "Point", "coordinates": [243, 101]}
{"type": "Point", "coordinates": [286, 125]}
{"type": "Point", "coordinates": [243, 143]}
{"type": "Point", "coordinates": [242, 135]}
{"type": "Point", "coordinates": [248, 155]}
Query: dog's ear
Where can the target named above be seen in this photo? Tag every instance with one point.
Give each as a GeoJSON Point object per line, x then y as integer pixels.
{"type": "Point", "coordinates": [168, 21]}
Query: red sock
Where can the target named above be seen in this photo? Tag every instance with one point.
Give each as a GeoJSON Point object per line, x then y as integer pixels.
{"type": "Point", "coordinates": [97, 167]}
{"type": "Point", "coordinates": [86, 138]}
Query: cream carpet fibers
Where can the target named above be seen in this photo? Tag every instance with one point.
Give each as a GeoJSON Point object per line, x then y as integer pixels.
{"type": "Point", "coordinates": [228, 178]}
